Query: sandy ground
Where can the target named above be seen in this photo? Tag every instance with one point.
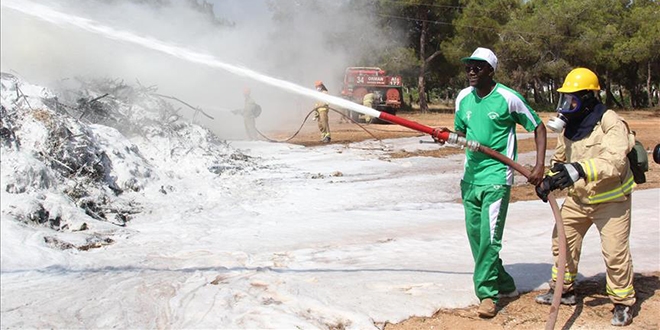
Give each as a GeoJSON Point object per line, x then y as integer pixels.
{"type": "Point", "coordinates": [593, 310]}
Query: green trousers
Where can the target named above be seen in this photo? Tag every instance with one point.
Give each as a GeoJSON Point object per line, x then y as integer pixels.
{"type": "Point", "coordinates": [485, 214]}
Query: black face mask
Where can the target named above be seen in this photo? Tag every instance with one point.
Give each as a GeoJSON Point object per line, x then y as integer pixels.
{"type": "Point", "coordinates": [588, 102]}
{"type": "Point", "coordinates": [572, 109]}
{"type": "Point", "coordinates": [582, 123]}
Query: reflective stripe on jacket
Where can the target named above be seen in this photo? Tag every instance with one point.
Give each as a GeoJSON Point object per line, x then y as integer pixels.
{"type": "Point", "coordinates": [602, 154]}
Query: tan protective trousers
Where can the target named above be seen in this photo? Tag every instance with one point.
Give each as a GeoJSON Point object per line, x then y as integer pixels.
{"type": "Point", "coordinates": [324, 127]}
{"type": "Point", "coordinates": [250, 127]}
{"type": "Point", "coordinates": [613, 223]}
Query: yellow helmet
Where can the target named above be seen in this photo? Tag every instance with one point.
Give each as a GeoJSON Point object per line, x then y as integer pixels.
{"type": "Point", "coordinates": [580, 79]}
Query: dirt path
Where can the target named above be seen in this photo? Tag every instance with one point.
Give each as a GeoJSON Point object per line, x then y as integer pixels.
{"type": "Point", "coordinates": [594, 309]}
{"type": "Point", "coordinates": [646, 124]}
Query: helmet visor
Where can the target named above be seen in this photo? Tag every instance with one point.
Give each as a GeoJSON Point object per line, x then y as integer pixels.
{"type": "Point", "coordinates": [568, 103]}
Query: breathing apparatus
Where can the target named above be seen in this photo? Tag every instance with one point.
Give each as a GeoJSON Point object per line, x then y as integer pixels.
{"type": "Point", "coordinates": [576, 95]}
{"type": "Point", "coordinates": [571, 107]}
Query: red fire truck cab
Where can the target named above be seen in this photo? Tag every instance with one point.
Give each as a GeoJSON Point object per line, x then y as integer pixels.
{"type": "Point", "coordinates": [388, 90]}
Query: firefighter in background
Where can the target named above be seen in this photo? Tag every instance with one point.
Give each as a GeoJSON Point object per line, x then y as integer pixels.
{"type": "Point", "coordinates": [590, 160]}
{"type": "Point", "coordinates": [249, 114]}
{"type": "Point", "coordinates": [344, 117]}
{"type": "Point", "coordinates": [321, 115]}
{"type": "Point", "coordinates": [368, 101]}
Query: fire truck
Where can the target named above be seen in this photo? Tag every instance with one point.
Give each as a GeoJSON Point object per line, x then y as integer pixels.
{"type": "Point", "coordinates": [388, 90]}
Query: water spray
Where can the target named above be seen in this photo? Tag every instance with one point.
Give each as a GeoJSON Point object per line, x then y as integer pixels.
{"type": "Point", "coordinates": [48, 14]}
{"type": "Point", "coordinates": [62, 19]}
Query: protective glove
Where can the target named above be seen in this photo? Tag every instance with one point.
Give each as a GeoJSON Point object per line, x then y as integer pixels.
{"type": "Point", "coordinates": [544, 188]}
{"type": "Point", "coordinates": [566, 174]}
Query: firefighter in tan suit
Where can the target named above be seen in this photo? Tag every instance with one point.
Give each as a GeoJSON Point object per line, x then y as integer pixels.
{"type": "Point", "coordinates": [368, 101]}
{"type": "Point", "coordinates": [590, 160]}
{"type": "Point", "coordinates": [249, 115]}
{"type": "Point", "coordinates": [322, 109]}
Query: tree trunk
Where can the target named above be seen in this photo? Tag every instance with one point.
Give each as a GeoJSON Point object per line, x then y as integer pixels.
{"type": "Point", "coordinates": [623, 98]}
{"type": "Point", "coordinates": [421, 81]}
{"type": "Point", "coordinates": [611, 99]}
{"type": "Point", "coordinates": [648, 84]}
{"type": "Point", "coordinates": [551, 91]}
{"type": "Point", "coordinates": [537, 96]}
{"type": "Point", "coordinates": [609, 96]}
{"type": "Point", "coordinates": [421, 86]}
{"type": "Point", "coordinates": [421, 78]}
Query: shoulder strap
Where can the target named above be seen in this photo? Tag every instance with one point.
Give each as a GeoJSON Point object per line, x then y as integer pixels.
{"type": "Point", "coordinates": [609, 119]}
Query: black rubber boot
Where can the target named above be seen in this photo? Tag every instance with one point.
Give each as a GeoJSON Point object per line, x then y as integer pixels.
{"type": "Point", "coordinates": [622, 315]}
{"type": "Point", "coordinates": [567, 298]}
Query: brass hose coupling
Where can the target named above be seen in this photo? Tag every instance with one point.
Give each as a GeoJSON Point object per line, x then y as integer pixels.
{"type": "Point", "coordinates": [463, 142]}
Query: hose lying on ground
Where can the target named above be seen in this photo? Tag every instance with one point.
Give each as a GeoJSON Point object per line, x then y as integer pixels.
{"type": "Point", "coordinates": [305, 120]}
{"type": "Point", "coordinates": [454, 139]}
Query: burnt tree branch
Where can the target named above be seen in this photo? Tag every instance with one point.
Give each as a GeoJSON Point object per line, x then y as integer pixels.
{"type": "Point", "coordinates": [190, 106]}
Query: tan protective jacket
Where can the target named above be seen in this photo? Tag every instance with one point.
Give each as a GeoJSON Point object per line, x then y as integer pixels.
{"type": "Point", "coordinates": [368, 100]}
{"type": "Point", "coordinates": [320, 105]}
{"type": "Point", "coordinates": [602, 155]}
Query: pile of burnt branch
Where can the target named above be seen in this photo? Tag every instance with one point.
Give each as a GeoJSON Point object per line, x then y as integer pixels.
{"type": "Point", "coordinates": [113, 103]}
{"type": "Point", "coordinates": [159, 120]}
{"type": "Point", "coordinates": [46, 153]}
{"type": "Point", "coordinates": [72, 141]}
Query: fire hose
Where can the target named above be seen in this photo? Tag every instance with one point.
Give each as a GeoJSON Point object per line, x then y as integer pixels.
{"type": "Point", "coordinates": [305, 120]}
{"type": "Point", "coordinates": [454, 138]}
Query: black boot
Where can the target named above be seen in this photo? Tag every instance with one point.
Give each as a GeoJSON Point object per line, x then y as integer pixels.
{"type": "Point", "coordinates": [567, 298]}
{"type": "Point", "coordinates": [622, 315]}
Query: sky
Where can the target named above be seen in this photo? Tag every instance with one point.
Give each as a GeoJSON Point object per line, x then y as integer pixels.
{"type": "Point", "coordinates": [294, 237]}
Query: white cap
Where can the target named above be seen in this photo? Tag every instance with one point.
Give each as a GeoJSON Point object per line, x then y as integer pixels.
{"type": "Point", "coordinates": [483, 54]}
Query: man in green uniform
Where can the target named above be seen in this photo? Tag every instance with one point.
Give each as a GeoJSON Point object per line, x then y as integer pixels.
{"type": "Point", "coordinates": [487, 112]}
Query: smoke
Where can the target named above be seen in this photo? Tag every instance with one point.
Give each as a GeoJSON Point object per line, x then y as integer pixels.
{"type": "Point", "coordinates": [299, 41]}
